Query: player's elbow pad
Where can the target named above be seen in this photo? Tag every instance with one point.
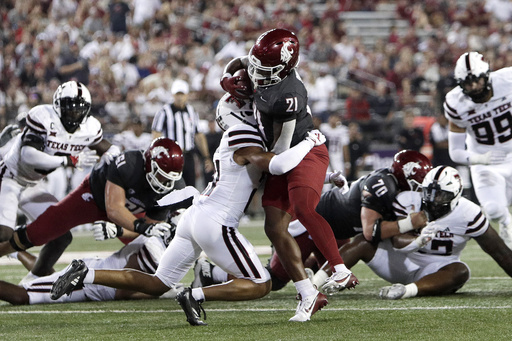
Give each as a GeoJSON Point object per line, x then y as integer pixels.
{"type": "Point", "coordinates": [457, 148]}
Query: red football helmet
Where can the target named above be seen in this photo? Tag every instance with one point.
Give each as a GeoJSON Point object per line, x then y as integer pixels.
{"type": "Point", "coordinates": [273, 56]}
{"type": "Point", "coordinates": [410, 168]}
{"type": "Point", "coordinates": [163, 164]}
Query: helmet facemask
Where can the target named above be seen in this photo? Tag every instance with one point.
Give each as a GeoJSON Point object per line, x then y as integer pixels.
{"type": "Point", "coordinates": [73, 112]}
{"type": "Point", "coordinates": [441, 191]}
{"type": "Point", "coordinates": [160, 181]}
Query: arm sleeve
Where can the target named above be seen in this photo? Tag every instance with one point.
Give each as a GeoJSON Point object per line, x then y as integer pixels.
{"type": "Point", "coordinates": [457, 148]}
{"type": "Point", "coordinates": [285, 139]}
{"type": "Point", "coordinates": [289, 159]}
{"type": "Point", "coordinates": [38, 159]}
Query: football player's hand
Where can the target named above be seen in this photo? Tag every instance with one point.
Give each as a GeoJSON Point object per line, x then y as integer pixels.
{"type": "Point", "coordinates": [84, 159]}
{"type": "Point", "coordinates": [316, 137]}
{"type": "Point", "coordinates": [493, 157]}
{"type": "Point", "coordinates": [426, 235]}
{"type": "Point", "coordinates": [235, 86]}
{"type": "Point", "coordinates": [110, 154]}
{"type": "Point", "coordinates": [338, 179]}
{"type": "Point", "coordinates": [104, 230]}
{"type": "Point", "coordinates": [158, 230]}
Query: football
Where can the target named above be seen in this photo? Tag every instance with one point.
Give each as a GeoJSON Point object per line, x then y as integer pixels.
{"type": "Point", "coordinates": [245, 81]}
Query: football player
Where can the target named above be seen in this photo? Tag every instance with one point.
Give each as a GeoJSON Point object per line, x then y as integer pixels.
{"type": "Point", "coordinates": [428, 263]}
{"type": "Point", "coordinates": [141, 254]}
{"type": "Point", "coordinates": [211, 224]}
{"type": "Point", "coordinates": [280, 99]}
{"type": "Point", "coordinates": [480, 135]}
{"type": "Point", "coordinates": [60, 135]}
{"type": "Point", "coordinates": [367, 207]}
{"type": "Point", "coordinates": [119, 192]}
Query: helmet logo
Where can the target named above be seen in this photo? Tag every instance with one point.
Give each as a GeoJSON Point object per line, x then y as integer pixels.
{"type": "Point", "coordinates": [286, 52]}
{"type": "Point", "coordinates": [410, 168]}
{"type": "Point", "coordinates": [159, 152]}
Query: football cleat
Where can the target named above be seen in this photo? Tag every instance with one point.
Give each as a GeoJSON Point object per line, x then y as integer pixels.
{"type": "Point", "coordinates": [308, 306]}
{"type": "Point", "coordinates": [393, 292]}
{"type": "Point", "coordinates": [71, 280]}
{"type": "Point", "coordinates": [339, 281]}
{"type": "Point", "coordinates": [191, 307]}
{"type": "Point", "coordinates": [202, 273]}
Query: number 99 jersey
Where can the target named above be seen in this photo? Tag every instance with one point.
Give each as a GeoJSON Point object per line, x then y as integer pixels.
{"type": "Point", "coordinates": [488, 125]}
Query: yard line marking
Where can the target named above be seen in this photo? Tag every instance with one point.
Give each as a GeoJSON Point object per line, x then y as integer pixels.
{"type": "Point", "coordinates": [159, 311]}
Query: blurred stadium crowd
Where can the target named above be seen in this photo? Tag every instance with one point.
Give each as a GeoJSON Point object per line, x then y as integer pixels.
{"type": "Point", "coordinates": [372, 62]}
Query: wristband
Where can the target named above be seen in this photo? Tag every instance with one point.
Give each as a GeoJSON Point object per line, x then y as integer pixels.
{"type": "Point", "coordinates": [140, 226]}
{"type": "Point", "coordinates": [405, 225]}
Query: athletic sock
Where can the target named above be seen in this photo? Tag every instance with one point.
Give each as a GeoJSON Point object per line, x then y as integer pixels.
{"type": "Point", "coordinates": [89, 277]}
{"type": "Point", "coordinates": [198, 294]}
{"type": "Point", "coordinates": [305, 287]}
{"type": "Point", "coordinates": [411, 290]}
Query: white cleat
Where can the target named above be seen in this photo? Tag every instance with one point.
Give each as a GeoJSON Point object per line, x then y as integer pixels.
{"type": "Point", "coordinates": [393, 292]}
{"type": "Point", "coordinates": [308, 306]}
{"type": "Point", "coordinates": [339, 281]}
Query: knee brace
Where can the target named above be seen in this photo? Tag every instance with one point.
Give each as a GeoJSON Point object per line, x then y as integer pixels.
{"type": "Point", "coordinates": [19, 240]}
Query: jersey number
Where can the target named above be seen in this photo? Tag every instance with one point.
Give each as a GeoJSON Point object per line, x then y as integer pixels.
{"type": "Point", "coordinates": [380, 188]}
{"type": "Point", "coordinates": [292, 104]}
{"type": "Point", "coordinates": [484, 133]}
{"type": "Point", "coordinates": [438, 245]}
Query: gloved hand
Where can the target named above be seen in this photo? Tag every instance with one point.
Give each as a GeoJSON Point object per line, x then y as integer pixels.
{"type": "Point", "coordinates": [426, 235]}
{"type": "Point", "coordinates": [110, 154]}
{"type": "Point", "coordinates": [493, 157]}
{"type": "Point", "coordinates": [104, 230]}
{"type": "Point", "coordinates": [151, 229]}
{"type": "Point", "coordinates": [316, 137]}
{"type": "Point", "coordinates": [85, 158]}
{"type": "Point", "coordinates": [236, 86]}
{"type": "Point", "coordinates": [338, 179]}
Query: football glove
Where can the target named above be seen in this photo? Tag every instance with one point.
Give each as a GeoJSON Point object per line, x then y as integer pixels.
{"type": "Point", "coordinates": [103, 230]}
{"type": "Point", "coordinates": [316, 137]}
{"type": "Point", "coordinates": [235, 85]}
{"type": "Point", "coordinates": [110, 154]}
{"type": "Point", "coordinates": [338, 179]}
{"type": "Point", "coordinates": [150, 229]}
{"type": "Point", "coordinates": [493, 157]}
{"type": "Point", "coordinates": [84, 159]}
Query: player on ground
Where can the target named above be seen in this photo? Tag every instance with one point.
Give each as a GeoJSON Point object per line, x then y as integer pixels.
{"type": "Point", "coordinates": [119, 192]}
{"type": "Point", "coordinates": [280, 98]}
{"type": "Point", "coordinates": [141, 254]}
{"type": "Point", "coordinates": [60, 135]}
{"type": "Point", "coordinates": [481, 134]}
{"type": "Point", "coordinates": [367, 207]}
{"type": "Point", "coordinates": [211, 224]}
{"type": "Point", "coordinates": [429, 264]}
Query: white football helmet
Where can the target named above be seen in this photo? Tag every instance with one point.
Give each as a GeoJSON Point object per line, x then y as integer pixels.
{"type": "Point", "coordinates": [470, 67]}
{"type": "Point", "coordinates": [232, 111]}
{"type": "Point", "coordinates": [72, 103]}
{"type": "Point", "coordinates": [442, 189]}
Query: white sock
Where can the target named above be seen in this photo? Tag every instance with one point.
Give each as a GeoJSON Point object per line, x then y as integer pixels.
{"type": "Point", "coordinates": [198, 294]}
{"type": "Point", "coordinates": [13, 255]}
{"type": "Point", "coordinates": [89, 277]}
{"type": "Point", "coordinates": [319, 278]}
{"type": "Point", "coordinates": [340, 268]}
{"type": "Point", "coordinates": [411, 290]}
{"type": "Point", "coordinates": [305, 288]}
{"type": "Point", "coordinates": [219, 275]}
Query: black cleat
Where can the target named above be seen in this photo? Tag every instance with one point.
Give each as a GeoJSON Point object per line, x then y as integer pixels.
{"type": "Point", "coordinates": [191, 307]}
{"type": "Point", "coordinates": [72, 280]}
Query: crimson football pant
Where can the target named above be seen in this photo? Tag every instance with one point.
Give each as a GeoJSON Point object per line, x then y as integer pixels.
{"type": "Point", "coordinates": [298, 193]}
{"type": "Point", "coordinates": [77, 208]}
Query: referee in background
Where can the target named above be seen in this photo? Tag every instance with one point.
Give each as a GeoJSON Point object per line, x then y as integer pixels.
{"type": "Point", "coordinates": [178, 121]}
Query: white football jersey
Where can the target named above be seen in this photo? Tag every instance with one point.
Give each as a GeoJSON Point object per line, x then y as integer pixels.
{"type": "Point", "coordinates": [127, 140]}
{"type": "Point", "coordinates": [337, 138]}
{"type": "Point", "coordinates": [488, 125]}
{"type": "Point", "coordinates": [456, 228]}
{"type": "Point", "coordinates": [232, 188]}
{"type": "Point", "coordinates": [43, 121]}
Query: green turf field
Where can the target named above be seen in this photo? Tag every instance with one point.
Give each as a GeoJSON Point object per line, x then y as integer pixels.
{"type": "Point", "coordinates": [482, 310]}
